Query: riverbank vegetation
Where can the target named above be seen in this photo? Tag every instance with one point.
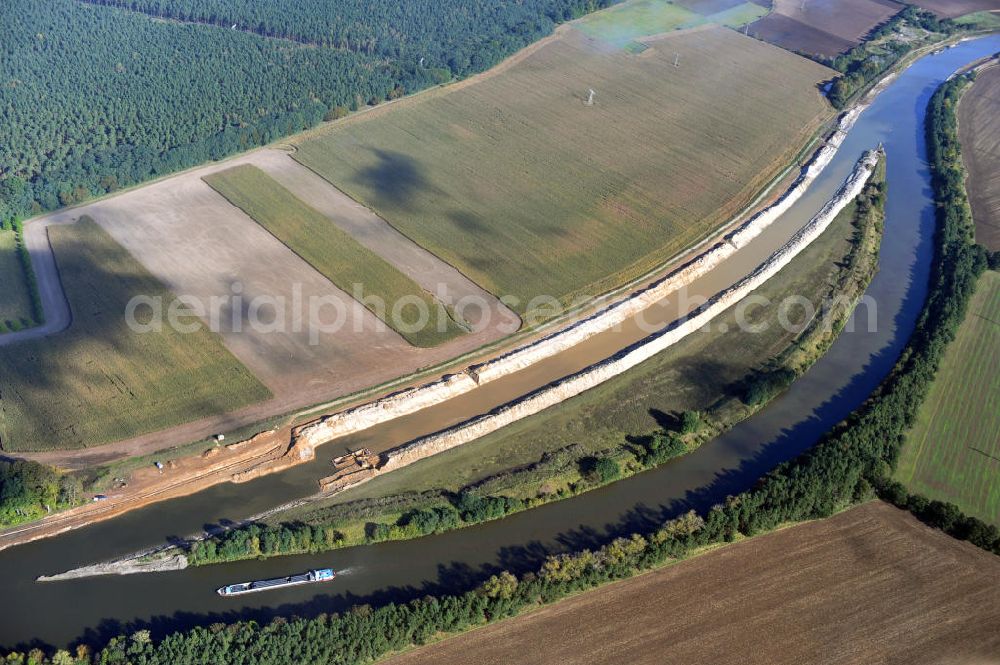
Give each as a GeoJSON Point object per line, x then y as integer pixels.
{"type": "Point", "coordinates": [336, 255]}
{"type": "Point", "coordinates": [30, 491]}
{"type": "Point", "coordinates": [822, 29]}
{"type": "Point", "coordinates": [101, 380]}
{"type": "Point", "coordinates": [865, 64]}
{"type": "Point", "coordinates": [582, 444]}
{"type": "Point", "coordinates": [630, 180]}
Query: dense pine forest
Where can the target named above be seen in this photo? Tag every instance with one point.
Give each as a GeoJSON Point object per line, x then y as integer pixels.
{"type": "Point", "coordinates": [464, 36]}
{"type": "Point", "coordinates": [94, 98]}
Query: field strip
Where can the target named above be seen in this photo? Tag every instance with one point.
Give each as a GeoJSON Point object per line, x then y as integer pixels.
{"type": "Point", "coordinates": [57, 313]}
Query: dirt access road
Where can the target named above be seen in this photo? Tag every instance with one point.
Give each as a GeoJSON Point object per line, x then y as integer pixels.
{"type": "Point", "coordinates": [870, 585]}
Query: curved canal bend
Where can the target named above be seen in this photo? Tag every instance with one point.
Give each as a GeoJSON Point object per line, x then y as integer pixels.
{"type": "Point", "coordinates": [97, 608]}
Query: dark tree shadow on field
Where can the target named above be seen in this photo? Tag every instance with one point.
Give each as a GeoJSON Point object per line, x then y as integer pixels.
{"type": "Point", "coordinates": [394, 179]}
{"type": "Point", "coordinates": [100, 278]}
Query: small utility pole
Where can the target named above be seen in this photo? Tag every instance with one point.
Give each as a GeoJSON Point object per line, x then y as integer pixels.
{"type": "Point", "coordinates": [677, 59]}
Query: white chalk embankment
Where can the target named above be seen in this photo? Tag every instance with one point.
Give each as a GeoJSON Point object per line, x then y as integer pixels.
{"type": "Point", "coordinates": [406, 402]}
{"type": "Point", "coordinates": [600, 372]}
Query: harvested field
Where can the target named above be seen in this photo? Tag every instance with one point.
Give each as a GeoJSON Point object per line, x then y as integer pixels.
{"type": "Point", "coordinates": [823, 27]}
{"type": "Point", "coordinates": [100, 381]}
{"type": "Point", "coordinates": [953, 8]}
{"type": "Point", "coordinates": [335, 254]}
{"type": "Point", "coordinates": [953, 451]}
{"type": "Point", "coordinates": [664, 156]}
{"type": "Point", "coordinates": [870, 585]}
{"type": "Point", "coordinates": [15, 303]}
{"type": "Point", "coordinates": [979, 131]}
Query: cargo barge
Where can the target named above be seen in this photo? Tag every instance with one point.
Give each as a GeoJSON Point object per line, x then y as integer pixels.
{"type": "Point", "coordinates": [319, 575]}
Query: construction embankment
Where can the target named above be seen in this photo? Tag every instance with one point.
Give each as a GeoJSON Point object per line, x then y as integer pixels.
{"type": "Point", "coordinates": [406, 402]}
{"type": "Point", "coordinates": [630, 357]}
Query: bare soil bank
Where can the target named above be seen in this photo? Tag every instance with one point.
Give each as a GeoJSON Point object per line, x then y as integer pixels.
{"type": "Point", "coordinates": [979, 131]}
{"type": "Point", "coordinates": [870, 585]}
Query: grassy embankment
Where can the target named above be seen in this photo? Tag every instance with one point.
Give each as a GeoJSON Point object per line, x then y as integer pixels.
{"type": "Point", "coordinates": [606, 433]}
{"type": "Point", "coordinates": [658, 162]}
{"type": "Point", "coordinates": [100, 381]}
{"type": "Point", "coordinates": [980, 20]}
{"type": "Point", "coordinates": [334, 253]}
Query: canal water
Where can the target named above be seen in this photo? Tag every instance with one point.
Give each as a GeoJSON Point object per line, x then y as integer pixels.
{"type": "Point", "coordinates": [94, 609]}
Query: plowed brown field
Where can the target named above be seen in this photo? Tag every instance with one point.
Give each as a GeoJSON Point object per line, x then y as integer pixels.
{"type": "Point", "coordinates": [871, 585]}
{"type": "Point", "coordinates": [824, 27]}
{"type": "Point", "coordinates": [979, 131]}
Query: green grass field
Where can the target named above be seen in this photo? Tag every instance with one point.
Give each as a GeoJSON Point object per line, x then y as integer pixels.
{"type": "Point", "coordinates": [981, 20]}
{"type": "Point", "coordinates": [953, 451]}
{"type": "Point", "coordinates": [334, 253]}
{"type": "Point", "coordinates": [703, 370]}
{"type": "Point", "coordinates": [738, 16]}
{"type": "Point", "coordinates": [621, 24]}
{"type": "Point", "coordinates": [15, 303]}
{"type": "Point", "coordinates": [99, 381]}
{"type": "Point", "coordinates": [523, 187]}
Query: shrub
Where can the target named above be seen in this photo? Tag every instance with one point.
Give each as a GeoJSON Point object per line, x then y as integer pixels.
{"type": "Point", "coordinates": [600, 469]}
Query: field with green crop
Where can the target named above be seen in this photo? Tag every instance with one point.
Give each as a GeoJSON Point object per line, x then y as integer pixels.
{"type": "Point", "coordinates": [521, 185]}
{"type": "Point", "coordinates": [953, 451]}
{"type": "Point", "coordinates": [621, 24]}
{"type": "Point", "coordinates": [100, 381]}
{"type": "Point", "coordinates": [336, 255]}
{"type": "Point", "coordinates": [15, 303]}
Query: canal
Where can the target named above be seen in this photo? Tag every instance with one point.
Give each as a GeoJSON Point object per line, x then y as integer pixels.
{"type": "Point", "coordinates": [94, 609]}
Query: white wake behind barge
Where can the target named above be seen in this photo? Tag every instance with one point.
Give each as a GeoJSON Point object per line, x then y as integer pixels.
{"type": "Point", "coordinates": [318, 575]}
